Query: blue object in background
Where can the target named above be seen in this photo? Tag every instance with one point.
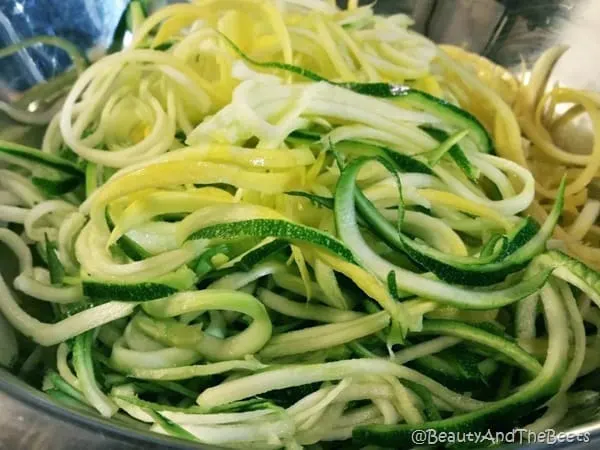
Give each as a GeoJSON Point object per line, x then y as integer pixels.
{"type": "Point", "coordinates": [89, 24]}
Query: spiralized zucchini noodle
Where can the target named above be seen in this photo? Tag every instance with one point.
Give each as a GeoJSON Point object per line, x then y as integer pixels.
{"type": "Point", "coordinates": [274, 224]}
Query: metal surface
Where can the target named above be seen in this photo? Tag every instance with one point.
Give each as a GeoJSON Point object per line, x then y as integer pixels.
{"type": "Point", "coordinates": [29, 420]}
{"type": "Point", "coordinates": [25, 427]}
{"type": "Point", "coordinates": [506, 31]}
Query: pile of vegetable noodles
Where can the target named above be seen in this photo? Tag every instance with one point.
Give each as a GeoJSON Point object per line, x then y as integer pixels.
{"type": "Point", "coordinates": [278, 224]}
{"type": "Point", "coordinates": [558, 125]}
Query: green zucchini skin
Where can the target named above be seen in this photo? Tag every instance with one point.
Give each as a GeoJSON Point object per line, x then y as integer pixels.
{"type": "Point", "coordinates": [571, 270]}
{"type": "Point", "coordinates": [455, 152]}
{"type": "Point", "coordinates": [173, 428]}
{"type": "Point", "coordinates": [37, 157]}
{"type": "Point", "coordinates": [452, 269]}
{"type": "Point", "coordinates": [202, 265]}
{"type": "Point", "coordinates": [55, 188]}
{"type": "Point", "coordinates": [260, 254]}
{"type": "Point", "coordinates": [126, 292]}
{"type": "Point", "coordinates": [317, 200]}
{"type": "Point", "coordinates": [524, 244]}
{"type": "Point", "coordinates": [346, 196]}
{"type": "Point", "coordinates": [51, 174]}
{"type": "Point", "coordinates": [502, 415]}
{"type": "Point", "coordinates": [524, 233]}
{"type": "Point", "coordinates": [501, 418]}
{"type": "Point", "coordinates": [486, 270]}
{"type": "Point", "coordinates": [457, 367]}
{"type": "Point", "coordinates": [401, 94]}
{"type": "Point", "coordinates": [480, 336]}
{"type": "Point", "coordinates": [248, 261]}
{"type": "Point", "coordinates": [423, 101]}
{"type": "Point", "coordinates": [451, 372]}
{"type": "Point", "coordinates": [55, 267]}
{"type": "Point", "coordinates": [403, 163]}
{"type": "Point", "coordinates": [275, 228]}
{"type": "Point", "coordinates": [181, 279]}
{"type": "Point", "coordinates": [430, 410]}
{"type": "Point", "coordinates": [499, 415]}
{"type": "Point", "coordinates": [132, 249]}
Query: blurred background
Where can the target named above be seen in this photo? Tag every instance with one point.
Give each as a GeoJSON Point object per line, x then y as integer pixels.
{"type": "Point", "coordinates": [506, 31]}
